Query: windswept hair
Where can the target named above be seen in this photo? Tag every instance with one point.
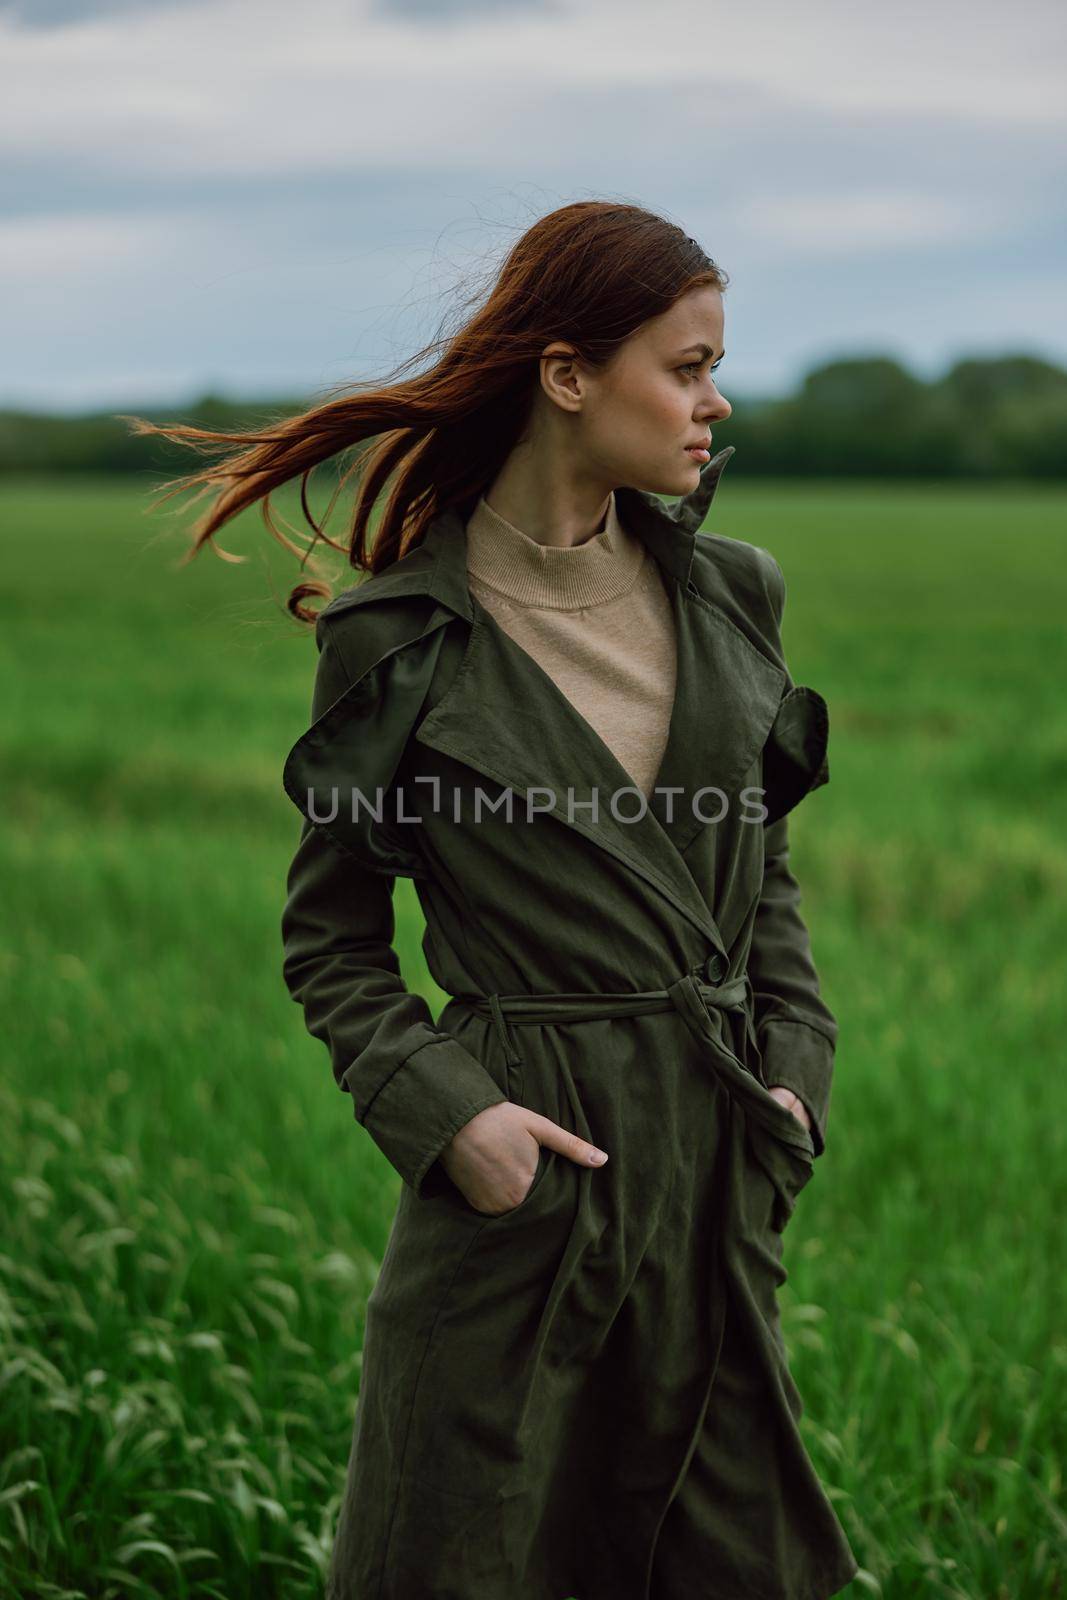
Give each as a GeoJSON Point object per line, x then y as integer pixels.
{"type": "Point", "coordinates": [590, 273]}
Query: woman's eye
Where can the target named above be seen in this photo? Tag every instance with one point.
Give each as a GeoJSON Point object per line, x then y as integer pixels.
{"type": "Point", "coordinates": [694, 366]}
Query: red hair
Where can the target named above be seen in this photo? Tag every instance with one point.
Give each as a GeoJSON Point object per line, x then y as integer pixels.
{"type": "Point", "coordinates": [590, 273]}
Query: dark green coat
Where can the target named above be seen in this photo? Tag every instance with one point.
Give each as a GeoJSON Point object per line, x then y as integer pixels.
{"type": "Point", "coordinates": [587, 1395]}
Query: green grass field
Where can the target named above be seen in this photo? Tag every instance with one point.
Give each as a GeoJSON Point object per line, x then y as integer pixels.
{"type": "Point", "coordinates": [192, 1218]}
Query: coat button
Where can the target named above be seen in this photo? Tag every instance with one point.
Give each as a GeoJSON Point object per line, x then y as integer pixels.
{"type": "Point", "coordinates": [715, 967]}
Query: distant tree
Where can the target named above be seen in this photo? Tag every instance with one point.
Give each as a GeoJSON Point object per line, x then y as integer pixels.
{"type": "Point", "coordinates": [863, 415]}
{"type": "Point", "coordinates": [1010, 415]}
{"type": "Point", "coordinates": [859, 416]}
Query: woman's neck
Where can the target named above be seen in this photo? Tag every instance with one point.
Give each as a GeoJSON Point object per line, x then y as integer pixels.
{"type": "Point", "coordinates": [601, 567]}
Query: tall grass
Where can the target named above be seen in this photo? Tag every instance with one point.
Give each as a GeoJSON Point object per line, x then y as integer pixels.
{"type": "Point", "coordinates": [192, 1219]}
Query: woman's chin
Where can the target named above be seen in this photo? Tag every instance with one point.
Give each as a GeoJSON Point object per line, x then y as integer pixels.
{"type": "Point", "coordinates": [681, 481]}
{"type": "Point", "coordinates": [684, 483]}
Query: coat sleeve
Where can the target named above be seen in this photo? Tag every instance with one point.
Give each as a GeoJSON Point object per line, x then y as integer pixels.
{"type": "Point", "coordinates": [412, 1085]}
{"type": "Point", "coordinates": [795, 1029]}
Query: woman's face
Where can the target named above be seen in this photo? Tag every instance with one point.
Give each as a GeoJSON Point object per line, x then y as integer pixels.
{"type": "Point", "coordinates": [637, 418]}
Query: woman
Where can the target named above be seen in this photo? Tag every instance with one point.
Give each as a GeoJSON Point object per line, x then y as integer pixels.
{"type": "Point", "coordinates": [565, 714]}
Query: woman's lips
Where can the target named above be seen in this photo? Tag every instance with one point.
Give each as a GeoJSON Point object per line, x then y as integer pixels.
{"type": "Point", "coordinates": [698, 454]}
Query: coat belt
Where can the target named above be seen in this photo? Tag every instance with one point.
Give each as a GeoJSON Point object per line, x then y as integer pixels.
{"type": "Point", "coordinates": [688, 994]}
{"type": "Point", "coordinates": [691, 997]}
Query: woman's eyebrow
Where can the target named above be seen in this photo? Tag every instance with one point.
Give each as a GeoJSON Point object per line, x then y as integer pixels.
{"type": "Point", "coordinates": [704, 349]}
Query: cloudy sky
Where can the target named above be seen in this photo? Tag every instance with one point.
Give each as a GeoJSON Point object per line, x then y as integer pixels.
{"type": "Point", "coordinates": [273, 196]}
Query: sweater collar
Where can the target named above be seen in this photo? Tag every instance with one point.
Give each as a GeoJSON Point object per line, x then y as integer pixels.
{"type": "Point", "coordinates": [437, 565]}
{"type": "Point", "coordinates": [559, 578]}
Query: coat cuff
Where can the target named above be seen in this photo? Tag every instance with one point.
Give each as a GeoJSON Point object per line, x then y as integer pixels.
{"type": "Point", "coordinates": [433, 1093]}
{"type": "Point", "coordinates": [800, 1058]}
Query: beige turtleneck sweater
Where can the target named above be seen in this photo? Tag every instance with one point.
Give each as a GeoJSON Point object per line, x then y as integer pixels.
{"type": "Point", "coordinates": [596, 617]}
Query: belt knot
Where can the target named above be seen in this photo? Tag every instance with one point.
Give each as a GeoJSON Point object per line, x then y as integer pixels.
{"type": "Point", "coordinates": [692, 997]}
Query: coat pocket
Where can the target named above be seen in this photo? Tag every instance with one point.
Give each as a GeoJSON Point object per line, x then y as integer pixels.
{"type": "Point", "coordinates": [544, 1155]}
{"type": "Point", "coordinates": [480, 1038]}
{"type": "Point", "coordinates": [787, 1160]}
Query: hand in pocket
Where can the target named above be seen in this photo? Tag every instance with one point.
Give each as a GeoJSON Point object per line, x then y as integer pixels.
{"type": "Point", "coordinates": [493, 1158]}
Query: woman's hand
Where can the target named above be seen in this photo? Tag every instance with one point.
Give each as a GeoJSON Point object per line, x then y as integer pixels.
{"type": "Point", "coordinates": [792, 1102]}
{"type": "Point", "coordinates": [493, 1157]}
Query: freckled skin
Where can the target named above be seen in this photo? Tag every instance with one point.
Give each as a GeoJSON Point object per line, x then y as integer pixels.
{"type": "Point", "coordinates": [653, 401]}
{"type": "Point", "coordinates": [592, 430]}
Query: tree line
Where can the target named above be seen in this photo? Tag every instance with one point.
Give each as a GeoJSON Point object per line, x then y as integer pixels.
{"type": "Point", "coordinates": [1001, 417]}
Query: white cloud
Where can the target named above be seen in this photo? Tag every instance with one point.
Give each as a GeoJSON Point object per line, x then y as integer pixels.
{"type": "Point", "coordinates": [62, 247]}
{"type": "Point", "coordinates": [847, 223]}
{"type": "Point", "coordinates": [250, 87]}
{"type": "Point", "coordinates": [248, 189]}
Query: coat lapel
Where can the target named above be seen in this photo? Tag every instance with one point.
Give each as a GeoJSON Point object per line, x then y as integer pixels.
{"type": "Point", "coordinates": [726, 697]}
{"type": "Point", "coordinates": [504, 716]}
